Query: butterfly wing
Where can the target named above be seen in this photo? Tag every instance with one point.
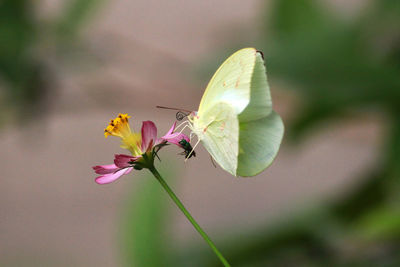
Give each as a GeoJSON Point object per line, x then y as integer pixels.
{"type": "Point", "coordinates": [227, 95]}
{"type": "Point", "coordinates": [261, 129]}
{"type": "Point", "coordinates": [220, 137]}
{"type": "Point", "coordinates": [259, 143]}
{"type": "Point", "coordinates": [231, 82]}
{"type": "Point", "coordinates": [260, 102]}
{"type": "Point", "coordinates": [239, 94]}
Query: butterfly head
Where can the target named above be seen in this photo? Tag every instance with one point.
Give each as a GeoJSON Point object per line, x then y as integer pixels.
{"type": "Point", "coordinates": [193, 116]}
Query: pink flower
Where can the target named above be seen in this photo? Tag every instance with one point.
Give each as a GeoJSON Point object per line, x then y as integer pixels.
{"type": "Point", "coordinates": [143, 147]}
{"type": "Point", "coordinates": [174, 138]}
{"type": "Point", "coordinates": [110, 173]}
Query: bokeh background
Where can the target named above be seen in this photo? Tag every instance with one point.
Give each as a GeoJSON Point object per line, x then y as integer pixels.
{"type": "Point", "coordinates": [331, 198]}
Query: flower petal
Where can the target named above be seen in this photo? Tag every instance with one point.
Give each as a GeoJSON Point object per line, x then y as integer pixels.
{"type": "Point", "coordinates": [172, 137]}
{"type": "Point", "coordinates": [111, 177]}
{"type": "Point", "coordinates": [175, 138]}
{"type": "Point", "coordinates": [122, 161]}
{"type": "Point", "coordinates": [172, 129]}
{"type": "Point", "coordinates": [149, 135]}
{"type": "Point", "coordinates": [105, 169]}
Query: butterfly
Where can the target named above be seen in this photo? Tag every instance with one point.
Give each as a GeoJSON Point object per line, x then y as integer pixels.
{"type": "Point", "coordinates": [235, 121]}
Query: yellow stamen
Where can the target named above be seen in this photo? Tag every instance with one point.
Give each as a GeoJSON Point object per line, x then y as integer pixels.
{"type": "Point", "coordinates": [120, 127]}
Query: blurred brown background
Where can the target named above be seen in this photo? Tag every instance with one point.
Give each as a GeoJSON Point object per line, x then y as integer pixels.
{"type": "Point", "coordinates": [128, 57]}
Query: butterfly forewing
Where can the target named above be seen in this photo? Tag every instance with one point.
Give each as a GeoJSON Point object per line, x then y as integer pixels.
{"type": "Point", "coordinates": [231, 82]}
{"type": "Point", "coordinates": [260, 104]}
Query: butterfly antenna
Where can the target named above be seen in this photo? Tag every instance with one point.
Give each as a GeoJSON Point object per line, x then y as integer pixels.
{"type": "Point", "coordinates": [181, 114]}
{"type": "Point", "coordinates": [178, 109]}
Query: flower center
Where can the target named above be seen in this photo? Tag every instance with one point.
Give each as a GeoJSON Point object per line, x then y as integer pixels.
{"type": "Point", "coordinates": [120, 127]}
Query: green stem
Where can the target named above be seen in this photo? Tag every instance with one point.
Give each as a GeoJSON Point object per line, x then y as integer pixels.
{"type": "Point", "coordinates": [188, 216]}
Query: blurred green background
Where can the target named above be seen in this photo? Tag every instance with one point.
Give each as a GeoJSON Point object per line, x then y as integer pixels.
{"type": "Point", "coordinates": [332, 197]}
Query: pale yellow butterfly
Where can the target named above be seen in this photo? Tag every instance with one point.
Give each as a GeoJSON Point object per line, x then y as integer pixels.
{"type": "Point", "coordinates": [235, 121]}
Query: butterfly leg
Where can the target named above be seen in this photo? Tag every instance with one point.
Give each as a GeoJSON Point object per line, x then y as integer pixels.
{"type": "Point", "coordinates": [180, 125]}
{"type": "Point", "coordinates": [187, 125]}
{"type": "Point", "coordinates": [212, 161]}
{"type": "Point", "coordinates": [188, 156]}
{"type": "Point", "coordinates": [184, 127]}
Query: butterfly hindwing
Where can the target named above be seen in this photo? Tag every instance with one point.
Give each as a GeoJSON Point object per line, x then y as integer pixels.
{"type": "Point", "coordinates": [220, 137]}
{"type": "Point", "coordinates": [259, 144]}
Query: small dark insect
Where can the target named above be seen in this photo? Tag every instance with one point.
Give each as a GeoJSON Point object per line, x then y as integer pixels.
{"type": "Point", "coordinates": [189, 152]}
